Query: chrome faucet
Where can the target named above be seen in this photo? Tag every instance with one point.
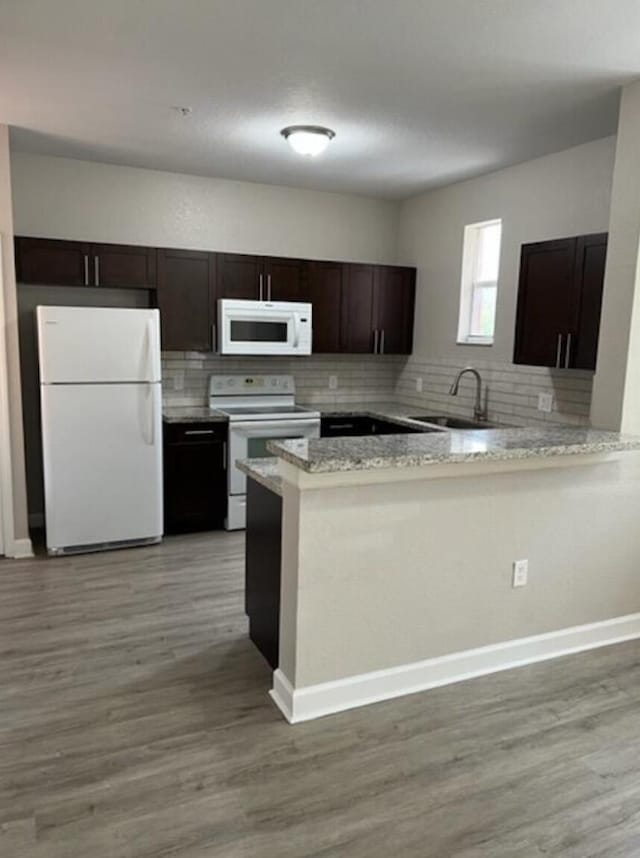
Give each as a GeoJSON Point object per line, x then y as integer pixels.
{"type": "Point", "coordinates": [478, 411]}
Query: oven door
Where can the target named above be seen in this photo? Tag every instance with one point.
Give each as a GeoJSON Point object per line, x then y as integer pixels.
{"type": "Point", "coordinates": [255, 328]}
{"type": "Point", "coordinates": [248, 440]}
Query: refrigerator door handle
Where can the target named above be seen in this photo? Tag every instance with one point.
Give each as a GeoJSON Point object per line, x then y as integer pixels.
{"type": "Point", "coordinates": [149, 337]}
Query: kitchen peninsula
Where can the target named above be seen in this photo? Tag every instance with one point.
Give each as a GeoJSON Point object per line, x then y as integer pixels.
{"type": "Point", "coordinates": [380, 593]}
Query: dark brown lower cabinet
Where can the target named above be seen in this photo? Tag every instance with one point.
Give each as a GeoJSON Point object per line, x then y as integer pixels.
{"type": "Point", "coordinates": [559, 302]}
{"type": "Point", "coordinates": [186, 299]}
{"type": "Point", "coordinates": [262, 569]}
{"type": "Point", "coordinates": [195, 476]}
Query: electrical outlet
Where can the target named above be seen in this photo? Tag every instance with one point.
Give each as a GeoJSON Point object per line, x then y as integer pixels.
{"type": "Point", "coordinates": [520, 573]}
{"type": "Point", "coordinates": [333, 382]}
{"type": "Point", "coordinates": [418, 385]}
{"type": "Point", "coordinates": [545, 402]}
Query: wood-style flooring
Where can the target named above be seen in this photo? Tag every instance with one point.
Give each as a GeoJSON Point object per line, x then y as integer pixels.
{"type": "Point", "coordinates": [135, 722]}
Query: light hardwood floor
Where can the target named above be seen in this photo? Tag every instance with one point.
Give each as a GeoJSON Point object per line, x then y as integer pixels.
{"type": "Point", "coordinates": [134, 721]}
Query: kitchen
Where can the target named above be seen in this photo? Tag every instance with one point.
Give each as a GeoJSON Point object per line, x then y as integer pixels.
{"type": "Point", "coordinates": [324, 466]}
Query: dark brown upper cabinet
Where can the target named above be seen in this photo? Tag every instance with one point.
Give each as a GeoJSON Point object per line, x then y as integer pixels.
{"type": "Point", "coordinates": [559, 302]}
{"type": "Point", "coordinates": [377, 309]}
{"type": "Point", "coordinates": [261, 278]}
{"type": "Point", "coordinates": [358, 336]}
{"type": "Point", "coordinates": [240, 276]}
{"type": "Point", "coordinates": [52, 262]}
{"type": "Point", "coordinates": [285, 279]}
{"type": "Point", "coordinates": [324, 291]}
{"type": "Point", "coordinates": [72, 263]}
{"type": "Point", "coordinates": [357, 308]}
{"type": "Point", "coordinates": [186, 299]}
{"type": "Point", "coordinates": [393, 306]}
{"type": "Point", "coordinates": [123, 266]}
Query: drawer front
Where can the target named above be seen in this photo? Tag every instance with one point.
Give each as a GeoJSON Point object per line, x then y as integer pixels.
{"type": "Point", "coordinates": [194, 433]}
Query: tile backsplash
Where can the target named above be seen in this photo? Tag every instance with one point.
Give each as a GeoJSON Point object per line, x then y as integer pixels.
{"type": "Point", "coordinates": [511, 391]}
{"type": "Point", "coordinates": [185, 376]}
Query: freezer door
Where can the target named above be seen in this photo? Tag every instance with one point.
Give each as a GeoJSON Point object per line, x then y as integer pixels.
{"type": "Point", "coordinates": [98, 344]}
{"type": "Point", "coordinates": [102, 451]}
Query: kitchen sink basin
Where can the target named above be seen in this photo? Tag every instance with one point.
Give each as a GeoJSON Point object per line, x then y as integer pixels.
{"type": "Point", "coordinates": [452, 422]}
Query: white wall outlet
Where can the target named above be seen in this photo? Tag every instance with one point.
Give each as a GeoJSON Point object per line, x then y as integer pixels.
{"type": "Point", "coordinates": [419, 385]}
{"type": "Point", "coordinates": [333, 382]}
{"type": "Point", "coordinates": [178, 381]}
{"type": "Point", "coordinates": [545, 402]}
{"type": "Point", "coordinates": [520, 573]}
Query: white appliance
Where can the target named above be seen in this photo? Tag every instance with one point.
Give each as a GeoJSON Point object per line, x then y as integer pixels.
{"type": "Point", "coordinates": [264, 327]}
{"type": "Point", "coordinates": [100, 399]}
{"type": "Point", "coordinates": [260, 408]}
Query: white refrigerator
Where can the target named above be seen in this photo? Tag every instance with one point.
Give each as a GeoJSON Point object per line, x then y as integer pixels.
{"type": "Point", "coordinates": [100, 397]}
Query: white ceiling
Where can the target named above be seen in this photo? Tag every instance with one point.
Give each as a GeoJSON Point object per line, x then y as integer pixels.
{"type": "Point", "coordinates": [420, 92]}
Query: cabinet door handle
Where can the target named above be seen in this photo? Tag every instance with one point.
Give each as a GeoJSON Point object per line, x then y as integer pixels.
{"type": "Point", "coordinates": [567, 354]}
{"type": "Point", "coordinates": [96, 269]}
{"type": "Point", "coordinates": [382, 341]}
{"type": "Point", "coordinates": [375, 341]}
{"type": "Point", "coordinates": [213, 338]}
{"type": "Point", "coordinates": [86, 269]}
{"type": "Point", "coordinates": [558, 350]}
{"type": "Point", "coordinates": [199, 431]}
{"type": "Point", "coordinates": [224, 455]}
{"type": "Point", "coordinates": [268, 287]}
{"type": "Point", "coordinates": [261, 283]}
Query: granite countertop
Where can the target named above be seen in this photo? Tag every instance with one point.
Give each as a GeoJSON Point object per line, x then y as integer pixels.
{"type": "Point", "coordinates": [403, 451]}
{"type": "Point", "coordinates": [264, 471]}
{"type": "Point", "coordinates": [192, 414]}
{"type": "Point", "coordinates": [394, 411]}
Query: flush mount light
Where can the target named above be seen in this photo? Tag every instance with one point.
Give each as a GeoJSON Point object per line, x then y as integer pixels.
{"type": "Point", "coordinates": [308, 139]}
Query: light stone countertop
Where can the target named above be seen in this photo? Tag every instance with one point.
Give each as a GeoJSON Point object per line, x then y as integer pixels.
{"type": "Point", "coordinates": [192, 414]}
{"type": "Point", "coordinates": [263, 471]}
{"type": "Point", "coordinates": [330, 455]}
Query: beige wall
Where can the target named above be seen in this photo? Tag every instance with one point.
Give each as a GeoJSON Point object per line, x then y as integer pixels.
{"type": "Point", "coordinates": [65, 198]}
{"type": "Point", "coordinates": [616, 394]}
{"type": "Point", "coordinates": [563, 194]}
{"type": "Point", "coordinates": [383, 575]}
{"type": "Point", "coordinates": [11, 360]}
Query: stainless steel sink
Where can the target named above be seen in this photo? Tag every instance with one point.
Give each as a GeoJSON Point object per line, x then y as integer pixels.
{"type": "Point", "coordinates": [452, 422]}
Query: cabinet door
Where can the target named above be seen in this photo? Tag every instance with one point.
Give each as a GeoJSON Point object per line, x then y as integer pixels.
{"type": "Point", "coordinates": [285, 279]}
{"type": "Point", "coordinates": [52, 262]}
{"type": "Point", "coordinates": [324, 291]}
{"type": "Point", "coordinates": [240, 276]}
{"type": "Point", "coordinates": [591, 255]}
{"type": "Point", "coordinates": [195, 486]}
{"type": "Point", "coordinates": [357, 309]}
{"type": "Point", "coordinates": [123, 266]}
{"type": "Point", "coordinates": [545, 292]}
{"type": "Point", "coordinates": [394, 300]}
{"type": "Point", "coordinates": [186, 298]}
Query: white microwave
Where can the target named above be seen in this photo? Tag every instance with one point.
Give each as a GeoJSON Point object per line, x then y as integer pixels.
{"type": "Point", "coordinates": [264, 327]}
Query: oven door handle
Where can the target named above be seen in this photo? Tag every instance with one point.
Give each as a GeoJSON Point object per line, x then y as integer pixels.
{"type": "Point", "coordinates": [276, 425]}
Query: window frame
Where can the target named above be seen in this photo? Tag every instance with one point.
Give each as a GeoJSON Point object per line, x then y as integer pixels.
{"type": "Point", "coordinates": [468, 285]}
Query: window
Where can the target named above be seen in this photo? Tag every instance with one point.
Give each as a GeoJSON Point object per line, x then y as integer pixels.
{"type": "Point", "coordinates": [479, 288]}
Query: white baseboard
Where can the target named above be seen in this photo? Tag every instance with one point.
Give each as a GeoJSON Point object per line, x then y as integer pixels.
{"type": "Point", "coordinates": [314, 701]}
{"type": "Point", "coordinates": [20, 549]}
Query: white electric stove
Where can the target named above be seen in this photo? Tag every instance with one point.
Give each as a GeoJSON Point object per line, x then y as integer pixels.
{"type": "Point", "coordinates": [260, 408]}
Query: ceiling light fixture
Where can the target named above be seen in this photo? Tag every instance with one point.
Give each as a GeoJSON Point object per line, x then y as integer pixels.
{"type": "Point", "coordinates": [309, 140]}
